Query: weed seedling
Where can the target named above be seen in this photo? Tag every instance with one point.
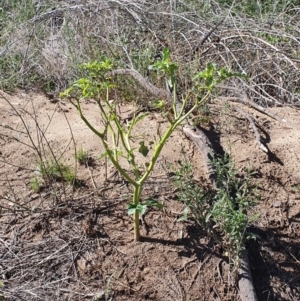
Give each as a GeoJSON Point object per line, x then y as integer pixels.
{"type": "Point", "coordinates": [83, 157]}
{"type": "Point", "coordinates": [54, 171]}
{"type": "Point", "coordinates": [222, 212]}
{"type": "Point", "coordinates": [35, 184]}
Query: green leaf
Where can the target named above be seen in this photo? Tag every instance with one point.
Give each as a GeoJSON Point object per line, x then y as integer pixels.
{"type": "Point", "coordinates": [225, 73]}
{"type": "Point", "coordinates": [66, 93]}
{"type": "Point", "coordinates": [132, 208]}
{"type": "Point", "coordinates": [141, 208]}
{"type": "Point", "coordinates": [138, 118]}
{"type": "Point", "coordinates": [153, 203]}
{"type": "Point", "coordinates": [208, 75]}
{"type": "Point", "coordinates": [166, 54]}
{"type": "Point", "coordinates": [143, 149]}
{"type": "Point", "coordinates": [159, 104]}
{"type": "Point", "coordinates": [165, 66]}
{"type": "Point", "coordinates": [208, 216]}
{"type": "Point", "coordinates": [103, 155]}
{"type": "Point", "coordinates": [184, 216]}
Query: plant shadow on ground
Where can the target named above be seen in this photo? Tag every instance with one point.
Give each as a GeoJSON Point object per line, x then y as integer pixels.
{"type": "Point", "coordinates": [214, 138]}
{"type": "Point", "coordinates": [272, 157]}
{"type": "Point", "coordinates": [274, 260]}
{"type": "Point", "coordinates": [195, 243]}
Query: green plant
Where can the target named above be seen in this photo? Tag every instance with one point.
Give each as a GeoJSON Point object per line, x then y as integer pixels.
{"type": "Point", "coordinates": [2, 298]}
{"type": "Point", "coordinates": [35, 184]}
{"type": "Point", "coordinates": [83, 157]}
{"type": "Point", "coordinates": [53, 170]}
{"type": "Point", "coordinates": [296, 188]}
{"type": "Point", "coordinates": [234, 197]}
{"type": "Point", "coordinates": [117, 136]}
{"type": "Point", "coordinates": [222, 212]}
{"type": "Point", "coordinates": [196, 198]}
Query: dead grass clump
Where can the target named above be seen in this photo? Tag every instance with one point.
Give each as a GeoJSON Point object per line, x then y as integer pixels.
{"type": "Point", "coordinates": [48, 46]}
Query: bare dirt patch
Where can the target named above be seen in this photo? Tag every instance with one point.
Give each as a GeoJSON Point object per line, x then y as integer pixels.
{"type": "Point", "coordinates": [76, 243]}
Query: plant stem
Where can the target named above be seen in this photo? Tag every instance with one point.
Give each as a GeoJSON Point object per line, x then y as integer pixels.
{"type": "Point", "coordinates": [136, 220]}
{"type": "Point", "coordinates": [136, 215]}
{"type": "Point", "coordinates": [172, 127]}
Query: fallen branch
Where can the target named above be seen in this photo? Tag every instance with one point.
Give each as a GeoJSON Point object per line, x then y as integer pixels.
{"type": "Point", "coordinates": [277, 117]}
{"type": "Point", "coordinates": [252, 124]}
{"type": "Point", "coordinates": [245, 281]}
{"type": "Point", "coordinates": [204, 145]}
{"type": "Point", "coordinates": [246, 100]}
{"type": "Point", "coordinates": [157, 92]}
{"type": "Point", "coordinates": [254, 128]}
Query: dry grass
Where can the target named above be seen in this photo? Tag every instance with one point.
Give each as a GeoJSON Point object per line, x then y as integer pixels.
{"type": "Point", "coordinates": [50, 46]}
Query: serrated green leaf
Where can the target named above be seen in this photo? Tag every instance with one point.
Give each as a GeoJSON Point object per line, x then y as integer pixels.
{"type": "Point", "coordinates": [65, 93]}
{"type": "Point", "coordinates": [141, 208]}
{"type": "Point", "coordinates": [208, 75]}
{"type": "Point", "coordinates": [132, 208]}
{"type": "Point", "coordinates": [159, 104]}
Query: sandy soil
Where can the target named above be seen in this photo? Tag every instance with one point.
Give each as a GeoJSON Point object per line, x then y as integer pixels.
{"type": "Point", "coordinates": [76, 243]}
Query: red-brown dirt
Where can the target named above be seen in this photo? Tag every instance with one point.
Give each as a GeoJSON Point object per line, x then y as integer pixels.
{"type": "Point", "coordinates": [76, 243]}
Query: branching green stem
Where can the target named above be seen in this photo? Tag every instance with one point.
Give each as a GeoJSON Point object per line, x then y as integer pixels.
{"type": "Point", "coordinates": [113, 158]}
{"type": "Point", "coordinates": [78, 107]}
{"type": "Point", "coordinates": [113, 123]}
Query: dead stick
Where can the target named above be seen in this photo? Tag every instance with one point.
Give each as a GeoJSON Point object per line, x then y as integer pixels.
{"type": "Point", "coordinates": [157, 92]}
{"type": "Point", "coordinates": [245, 281]}
{"type": "Point", "coordinates": [253, 126]}
{"type": "Point", "coordinates": [247, 100]}
{"type": "Point", "coordinates": [203, 144]}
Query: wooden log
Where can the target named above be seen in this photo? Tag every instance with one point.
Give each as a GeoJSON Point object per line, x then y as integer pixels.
{"type": "Point", "coordinates": [245, 281]}
{"type": "Point", "coordinates": [204, 145]}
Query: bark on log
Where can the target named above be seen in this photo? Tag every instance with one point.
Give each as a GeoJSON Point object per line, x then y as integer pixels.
{"type": "Point", "coordinates": [245, 281]}
{"type": "Point", "coordinates": [157, 92]}
{"type": "Point", "coordinates": [203, 144]}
